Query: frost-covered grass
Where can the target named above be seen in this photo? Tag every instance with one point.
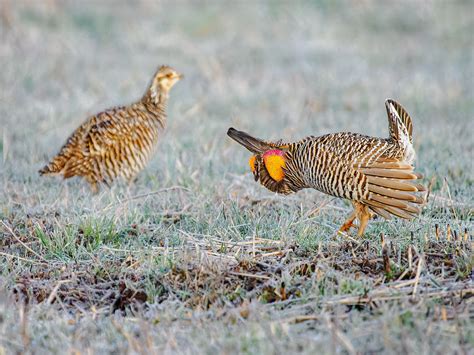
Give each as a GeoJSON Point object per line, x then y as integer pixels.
{"type": "Point", "coordinates": [196, 257]}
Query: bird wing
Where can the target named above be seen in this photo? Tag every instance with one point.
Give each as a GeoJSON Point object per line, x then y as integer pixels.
{"type": "Point", "coordinates": [110, 128]}
{"type": "Point", "coordinates": [393, 188]}
{"type": "Point", "coordinates": [102, 134]}
{"type": "Point", "coordinates": [391, 185]}
{"type": "Point", "coordinates": [369, 170]}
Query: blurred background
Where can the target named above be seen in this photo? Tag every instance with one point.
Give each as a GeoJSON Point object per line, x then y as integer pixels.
{"type": "Point", "coordinates": [276, 69]}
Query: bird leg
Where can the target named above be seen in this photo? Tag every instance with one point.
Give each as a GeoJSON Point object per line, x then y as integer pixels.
{"type": "Point", "coordinates": [93, 184]}
{"type": "Point", "coordinates": [94, 188]}
{"type": "Point", "coordinates": [348, 223]}
{"type": "Point", "coordinates": [363, 215]}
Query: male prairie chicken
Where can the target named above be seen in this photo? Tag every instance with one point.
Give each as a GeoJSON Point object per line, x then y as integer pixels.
{"type": "Point", "coordinates": [119, 141]}
{"type": "Point", "coordinates": [376, 174]}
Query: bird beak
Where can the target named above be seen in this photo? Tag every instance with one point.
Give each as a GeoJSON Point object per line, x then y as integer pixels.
{"type": "Point", "coordinates": [180, 76]}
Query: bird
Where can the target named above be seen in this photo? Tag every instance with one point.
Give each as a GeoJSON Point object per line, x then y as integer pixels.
{"type": "Point", "coordinates": [118, 142]}
{"type": "Point", "coordinates": [376, 174]}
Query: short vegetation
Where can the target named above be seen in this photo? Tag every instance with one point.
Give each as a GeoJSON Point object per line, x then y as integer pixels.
{"type": "Point", "coordinates": [195, 257]}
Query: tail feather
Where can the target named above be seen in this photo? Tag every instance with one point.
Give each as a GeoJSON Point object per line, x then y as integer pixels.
{"type": "Point", "coordinates": [55, 166]}
{"type": "Point", "coordinates": [253, 144]}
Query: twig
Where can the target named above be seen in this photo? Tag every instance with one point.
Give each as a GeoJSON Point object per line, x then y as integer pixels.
{"type": "Point", "coordinates": [450, 199]}
{"type": "Point", "coordinates": [24, 327]}
{"type": "Point", "coordinates": [136, 197]}
{"type": "Point", "coordinates": [253, 245]}
{"type": "Point", "coordinates": [307, 317]}
{"type": "Point", "coordinates": [355, 300]}
{"type": "Point", "coordinates": [24, 245]}
{"type": "Point", "coordinates": [300, 319]}
{"type": "Point", "coordinates": [344, 340]}
{"type": "Point", "coordinates": [404, 273]}
{"type": "Point", "coordinates": [404, 284]}
{"type": "Point", "coordinates": [274, 253]}
{"type": "Point", "coordinates": [417, 277]}
{"type": "Point", "coordinates": [410, 257]}
{"type": "Point", "coordinates": [453, 203]}
{"type": "Point", "coordinates": [386, 260]}
{"type": "Point", "coordinates": [22, 259]}
{"type": "Point", "coordinates": [53, 293]}
{"type": "Point", "coordinates": [316, 210]}
{"type": "Point", "coordinates": [244, 274]}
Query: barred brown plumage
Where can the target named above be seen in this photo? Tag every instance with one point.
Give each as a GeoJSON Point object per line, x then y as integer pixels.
{"type": "Point", "coordinates": [119, 141]}
{"type": "Point", "coordinates": [376, 174]}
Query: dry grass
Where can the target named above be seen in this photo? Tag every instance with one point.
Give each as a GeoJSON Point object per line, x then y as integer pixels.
{"type": "Point", "coordinates": [195, 257]}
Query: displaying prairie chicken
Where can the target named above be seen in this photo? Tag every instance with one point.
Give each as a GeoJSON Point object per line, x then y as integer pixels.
{"type": "Point", "coordinates": [376, 174]}
{"type": "Point", "coordinates": [119, 141]}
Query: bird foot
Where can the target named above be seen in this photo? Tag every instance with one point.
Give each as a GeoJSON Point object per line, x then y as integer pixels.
{"type": "Point", "coordinates": [347, 225]}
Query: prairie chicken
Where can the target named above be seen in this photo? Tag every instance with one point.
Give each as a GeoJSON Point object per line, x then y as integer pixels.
{"type": "Point", "coordinates": [376, 174]}
{"type": "Point", "coordinates": [119, 141]}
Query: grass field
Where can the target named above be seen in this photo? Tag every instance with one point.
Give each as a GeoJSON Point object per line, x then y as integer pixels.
{"type": "Point", "coordinates": [195, 257]}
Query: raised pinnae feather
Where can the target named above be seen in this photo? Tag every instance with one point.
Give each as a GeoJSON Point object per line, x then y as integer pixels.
{"type": "Point", "coordinates": [255, 145]}
{"type": "Point", "coordinates": [399, 120]}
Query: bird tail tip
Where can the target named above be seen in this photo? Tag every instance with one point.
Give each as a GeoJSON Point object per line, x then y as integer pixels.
{"type": "Point", "coordinates": [48, 169]}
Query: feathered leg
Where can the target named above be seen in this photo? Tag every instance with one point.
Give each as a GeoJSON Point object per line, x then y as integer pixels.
{"type": "Point", "coordinates": [93, 184]}
{"type": "Point", "coordinates": [363, 215]}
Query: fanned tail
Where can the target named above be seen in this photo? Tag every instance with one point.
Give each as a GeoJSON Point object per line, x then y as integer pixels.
{"type": "Point", "coordinates": [393, 189]}
{"type": "Point", "coordinates": [253, 144]}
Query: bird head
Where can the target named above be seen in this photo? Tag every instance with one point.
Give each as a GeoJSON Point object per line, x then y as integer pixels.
{"type": "Point", "coordinates": [269, 162]}
{"type": "Point", "coordinates": [164, 79]}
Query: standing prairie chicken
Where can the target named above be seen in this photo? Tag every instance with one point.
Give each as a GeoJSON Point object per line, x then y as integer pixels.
{"type": "Point", "coordinates": [376, 174]}
{"type": "Point", "coordinates": [119, 141]}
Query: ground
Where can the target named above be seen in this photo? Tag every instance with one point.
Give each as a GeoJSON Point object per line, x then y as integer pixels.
{"type": "Point", "coordinates": [195, 257]}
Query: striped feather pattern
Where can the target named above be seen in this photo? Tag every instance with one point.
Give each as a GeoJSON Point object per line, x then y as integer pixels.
{"type": "Point", "coordinates": [375, 173]}
{"type": "Point", "coordinates": [117, 142]}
